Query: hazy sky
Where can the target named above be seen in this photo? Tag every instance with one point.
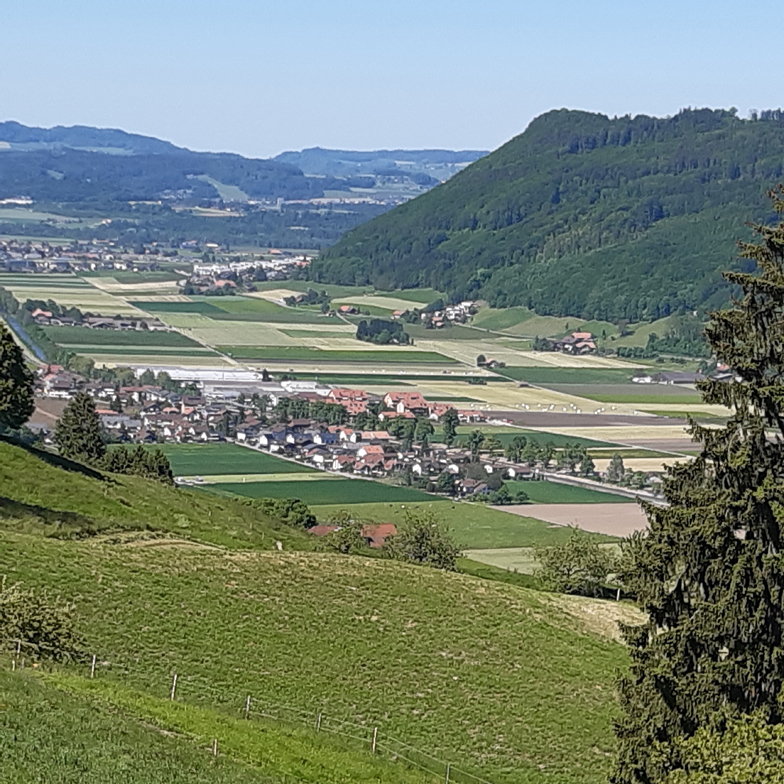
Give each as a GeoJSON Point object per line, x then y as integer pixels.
{"type": "Point", "coordinates": [259, 77]}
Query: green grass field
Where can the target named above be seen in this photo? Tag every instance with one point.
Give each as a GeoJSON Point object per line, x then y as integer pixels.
{"type": "Point", "coordinates": [42, 281]}
{"type": "Point", "coordinates": [473, 525]}
{"type": "Point", "coordinates": [74, 336]}
{"type": "Point", "coordinates": [324, 491]}
{"type": "Point", "coordinates": [218, 459]}
{"type": "Point", "coordinates": [447, 663]}
{"type": "Point", "coordinates": [507, 434]}
{"type": "Point", "coordinates": [547, 376]}
{"type": "Point", "coordinates": [201, 308]}
{"type": "Point", "coordinates": [557, 493]}
{"type": "Point", "coordinates": [137, 351]}
{"type": "Point", "coordinates": [306, 354]}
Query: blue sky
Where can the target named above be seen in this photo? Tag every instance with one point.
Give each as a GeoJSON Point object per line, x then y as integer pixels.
{"type": "Point", "coordinates": [258, 77]}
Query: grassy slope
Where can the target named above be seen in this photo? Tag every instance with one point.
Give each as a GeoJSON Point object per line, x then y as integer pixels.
{"type": "Point", "coordinates": [38, 495]}
{"type": "Point", "coordinates": [70, 729]}
{"type": "Point", "coordinates": [515, 683]}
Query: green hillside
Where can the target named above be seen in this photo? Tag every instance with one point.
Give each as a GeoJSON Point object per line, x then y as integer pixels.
{"type": "Point", "coordinates": [43, 493]}
{"type": "Point", "coordinates": [582, 215]}
{"type": "Point", "coordinates": [71, 730]}
{"type": "Point", "coordinates": [512, 684]}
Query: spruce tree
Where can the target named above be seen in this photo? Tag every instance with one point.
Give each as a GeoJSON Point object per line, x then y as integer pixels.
{"type": "Point", "coordinates": [78, 432]}
{"type": "Point", "coordinates": [709, 574]}
{"type": "Point", "coordinates": [16, 383]}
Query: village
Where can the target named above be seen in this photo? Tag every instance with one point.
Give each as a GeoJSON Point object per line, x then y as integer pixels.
{"type": "Point", "coordinates": [398, 437]}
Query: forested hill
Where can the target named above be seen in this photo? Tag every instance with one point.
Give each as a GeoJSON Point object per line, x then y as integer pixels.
{"type": "Point", "coordinates": [627, 218]}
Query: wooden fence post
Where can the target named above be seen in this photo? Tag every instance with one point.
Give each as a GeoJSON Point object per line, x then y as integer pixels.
{"type": "Point", "coordinates": [92, 667]}
{"type": "Point", "coordinates": [318, 723]}
{"type": "Point", "coordinates": [448, 772]}
{"type": "Point", "coordinates": [375, 738]}
{"type": "Point", "coordinates": [174, 687]}
{"type": "Point", "coordinates": [247, 707]}
{"type": "Point", "coordinates": [214, 747]}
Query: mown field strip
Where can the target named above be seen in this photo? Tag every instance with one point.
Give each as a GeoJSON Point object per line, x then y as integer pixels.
{"type": "Point", "coordinates": [257, 478]}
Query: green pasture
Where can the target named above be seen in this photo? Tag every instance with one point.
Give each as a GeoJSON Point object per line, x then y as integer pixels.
{"type": "Point", "coordinates": [545, 492]}
{"type": "Point", "coordinates": [320, 334]}
{"type": "Point", "coordinates": [507, 434]}
{"type": "Point", "coordinates": [126, 276]}
{"type": "Point", "coordinates": [208, 459]}
{"type": "Point", "coordinates": [525, 323]}
{"type": "Point", "coordinates": [474, 525]}
{"type": "Point", "coordinates": [550, 376]}
{"type": "Point", "coordinates": [201, 308]}
{"type": "Point", "coordinates": [418, 297]}
{"type": "Point", "coordinates": [74, 336]}
{"type": "Point", "coordinates": [325, 491]}
{"type": "Point", "coordinates": [42, 281]}
{"type": "Point", "coordinates": [47, 494]}
{"type": "Point", "coordinates": [631, 393]}
{"type": "Point", "coordinates": [444, 662]}
{"type": "Point", "coordinates": [308, 354]}
{"type": "Point", "coordinates": [135, 351]}
{"type": "Point", "coordinates": [61, 729]}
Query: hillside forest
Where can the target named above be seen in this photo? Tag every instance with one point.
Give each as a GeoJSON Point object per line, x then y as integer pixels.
{"type": "Point", "coordinates": [629, 218]}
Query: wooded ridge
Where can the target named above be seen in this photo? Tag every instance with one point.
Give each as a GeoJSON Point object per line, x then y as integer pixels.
{"type": "Point", "coordinates": [624, 218]}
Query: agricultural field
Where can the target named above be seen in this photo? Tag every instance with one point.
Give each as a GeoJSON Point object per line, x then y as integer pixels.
{"type": "Point", "coordinates": [506, 434]}
{"type": "Point", "coordinates": [525, 323]}
{"type": "Point", "coordinates": [473, 525]}
{"type": "Point", "coordinates": [557, 493]}
{"type": "Point", "coordinates": [610, 519]}
{"type": "Point", "coordinates": [76, 336]}
{"type": "Point", "coordinates": [67, 290]}
{"type": "Point", "coordinates": [633, 394]}
{"type": "Point", "coordinates": [326, 491]}
{"type": "Point", "coordinates": [299, 353]}
{"type": "Point", "coordinates": [207, 459]}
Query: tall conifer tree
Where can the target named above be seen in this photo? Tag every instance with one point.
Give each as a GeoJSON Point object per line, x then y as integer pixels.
{"type": "Point", "coordinates": [710, 573]}
{"type": "Point", "coordinates": [78, 433]}
{"type": "Point", "coordinates": [16, 383]}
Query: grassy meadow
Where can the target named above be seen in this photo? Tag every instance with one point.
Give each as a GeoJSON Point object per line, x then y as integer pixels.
{"type": "Point", "coordinates": [516, 685]}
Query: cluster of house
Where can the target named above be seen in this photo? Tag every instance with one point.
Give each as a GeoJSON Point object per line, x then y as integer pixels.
{"type": "Point", "coordinates": [455, 314]}
{"type": "Point", "coordinates": [576, 343]}
{"type": "Point", "coordinates": [277, 264]}
{"type": "Point", "coordinates": [148, 413]}
{"type": "Point", "coordinates": [124, 323]}
{"type": "Point", "coordinates": [43, 257]}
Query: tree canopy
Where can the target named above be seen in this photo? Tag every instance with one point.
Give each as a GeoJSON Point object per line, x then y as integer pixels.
{"type": "Point", "coordinates": [16, 383]}
{"type": "Point", "coordinates": [581, 215]}
{"type": "Point", "coordinates": [709, 574]}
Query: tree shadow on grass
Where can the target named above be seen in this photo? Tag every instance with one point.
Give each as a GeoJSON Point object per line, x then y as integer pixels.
{"type": "Point", "coordinates": [58, 461]}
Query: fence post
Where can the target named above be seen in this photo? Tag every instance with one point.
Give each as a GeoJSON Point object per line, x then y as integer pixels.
{"type": "Point", "coordinates": [375, 738]}
{"type": "Point", "coordinates": [214, 747]}
{"type": "Point", "coordinates": [247, 707]}
{"type": "Point", "coordinates": [448, 772]}
{"type": "Point", "coordinates": [618, 596]}
{"type": "Point", "coordinates": [18, 647]}
{"type": "Point", "coordinates": [92, 667]}
{"type": "Point", "coordinates": [318, 723]}
{"type": "Point", "coordinates": [174, 687]}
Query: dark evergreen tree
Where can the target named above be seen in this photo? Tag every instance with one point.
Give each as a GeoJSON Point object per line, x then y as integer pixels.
{"type": "Point", "coordinates": [78, 433]}
{"type": "Point", "coordinates": [16, 383]}
{"type": "Point", "coordinates": [710, 574]}
{"type": "Point", "coordinates": [450, 420]}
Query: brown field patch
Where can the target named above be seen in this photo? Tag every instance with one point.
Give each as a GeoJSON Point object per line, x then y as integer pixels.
{"type": "Point", "coordinates": [611, 519]}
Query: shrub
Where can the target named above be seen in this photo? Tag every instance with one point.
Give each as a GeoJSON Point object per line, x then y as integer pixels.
{"type": "Point", "coordinates": [423, 539]}
{"type": "Point", "coordinates": [578, 566]}
{"type": "Point", "coordinates": [43, 624]}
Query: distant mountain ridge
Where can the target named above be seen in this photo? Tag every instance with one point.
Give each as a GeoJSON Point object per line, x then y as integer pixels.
{"type": "Point", "coordinates": [15, 136]}
{"type": "Point", "coordinates": [436, 164]}
{"type": "Point", "coordinates": [624, 218]}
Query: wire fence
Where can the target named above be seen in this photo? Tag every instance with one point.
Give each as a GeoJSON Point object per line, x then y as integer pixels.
{"type": "Point", "coordinates": [189, 689]}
